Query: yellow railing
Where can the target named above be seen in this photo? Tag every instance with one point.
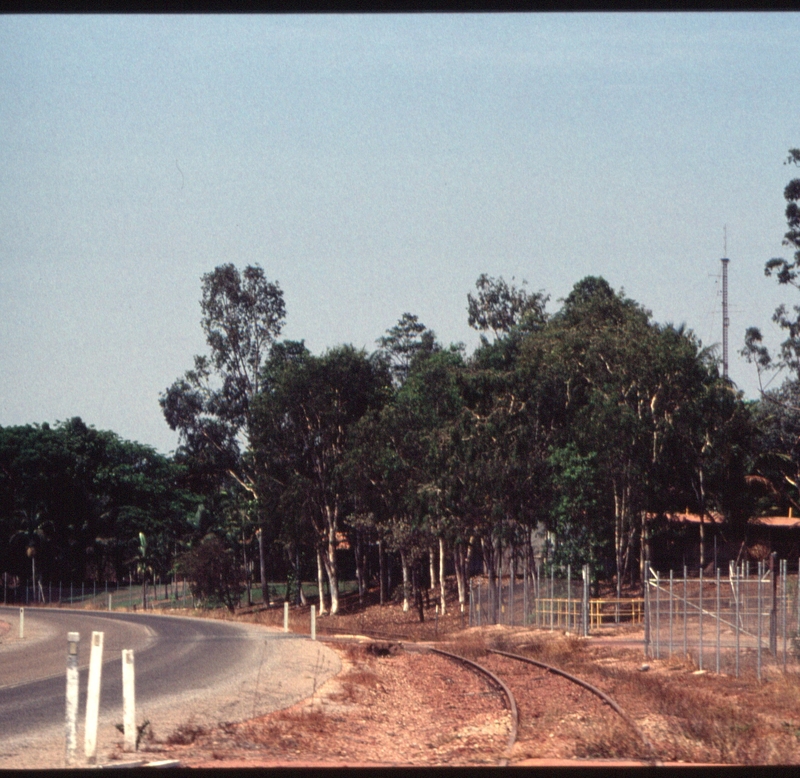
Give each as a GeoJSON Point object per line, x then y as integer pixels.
{"type": "Point", "coordinates": [613, 610]}
{"type": "Point", "coordinates": [561, 612]}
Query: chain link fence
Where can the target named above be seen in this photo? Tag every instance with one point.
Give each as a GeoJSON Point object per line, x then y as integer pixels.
{"type": "Point", "coordinates": [538, 599]}
{"type": "Point", "coordinates": [734, 622]}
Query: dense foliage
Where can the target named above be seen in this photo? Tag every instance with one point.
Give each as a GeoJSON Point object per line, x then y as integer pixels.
{"type": "Point", "coordinates": [564, 437]}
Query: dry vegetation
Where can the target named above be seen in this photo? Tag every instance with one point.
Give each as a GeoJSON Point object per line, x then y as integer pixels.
{"type": "Point", "coordinates": [398, 707]}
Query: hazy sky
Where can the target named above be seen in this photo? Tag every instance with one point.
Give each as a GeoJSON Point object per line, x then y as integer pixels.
{"type": "Point", "coordinates": [372, 165]}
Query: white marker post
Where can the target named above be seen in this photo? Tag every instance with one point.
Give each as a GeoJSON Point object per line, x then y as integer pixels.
{"type": "Point", "coordinates": [286, 617]}
{"type": "Point", "coordinates": [109, 601]}
{"type": "Point", "coordinates": [21, 623]}
{"type": "Point", "coordinates": [73, 638]}
{"type": "Point", "coordinates": [128, 701]}
{"type": "Point", "coordinates": [93, 697]}
{"type": "Point", "coordinates": [313, 622]}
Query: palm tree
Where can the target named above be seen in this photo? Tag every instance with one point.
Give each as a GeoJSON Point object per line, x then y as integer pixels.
{"type": "Point", "coordinates": [34, 530]}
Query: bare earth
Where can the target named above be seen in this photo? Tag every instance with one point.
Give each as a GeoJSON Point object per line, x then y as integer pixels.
{"type": "Point", "coordinates": [394, 707]}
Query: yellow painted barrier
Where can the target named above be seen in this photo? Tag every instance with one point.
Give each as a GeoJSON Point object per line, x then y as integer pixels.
{"type": "Point", "coordinates": [564, 613]}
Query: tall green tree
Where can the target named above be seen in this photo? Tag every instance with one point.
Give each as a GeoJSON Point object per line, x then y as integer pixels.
{"type": "Point", "coordinates": [302, 426]}
{"type": "Point", "coordinates": [211, 406]}
{"type": "Point", "coordinates": [500, 306]}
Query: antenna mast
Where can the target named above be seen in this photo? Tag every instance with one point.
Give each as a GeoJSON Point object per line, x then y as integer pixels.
{"type": "Point", "coordinates": [725, 320]}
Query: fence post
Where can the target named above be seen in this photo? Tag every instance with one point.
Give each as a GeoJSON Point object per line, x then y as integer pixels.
{"type": "Point", "coordinates": [93, 697]}
{"type": "Point", "coordinates": [128, 701]}
{"type": "Point", "coordinates": [21, 623]}
{"type": "Point", "coordinates": [701, 618]}
{"type": "Point", "coordinates": [783, 608]}
{"type": "Point", "coordinates": [586, 601]}
{"type": "Point", "coordinates": [773, 611]}
{"type": "Point", "coordinates": [569, 597]}
{"type": "Point", "coordinates": [73, 638]}
{"type": "Point", "coordinates": [670, 611]}
{"type": "Point", "coordinates": [737, 593]}
{"type": "Point", "coordinates": [758, 616]}
{"type": "Point", "coordinates": [658, 613]}
{"type": "Point", "coordinates": [285, 616]}
{"type": "Point", "coordinates": [685, 611]}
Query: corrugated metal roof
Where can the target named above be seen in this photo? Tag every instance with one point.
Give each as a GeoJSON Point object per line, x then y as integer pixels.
{"type": "Point", "coordinates": [790, 522]}
{"type": "Point", "coordinates": [777, 521]}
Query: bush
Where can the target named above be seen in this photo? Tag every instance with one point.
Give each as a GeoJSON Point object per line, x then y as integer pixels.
{"type": "Point", "coordinates": [214, 572]}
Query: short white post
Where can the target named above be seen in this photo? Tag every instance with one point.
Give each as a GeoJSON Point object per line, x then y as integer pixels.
{"type": "Point", "coordinates": [73, 639]}
{"type": "Point", "coordinates": [109, 601]}
{"type": "Point", "coordinates": [286, 617]}
{"type": "Point", "coordinates": [93, 697]}
{"type": "Point", "coordinates": [21, 623]}
{"type": "Point", "coordinates": [313, 622]}
{"type": "Point", "coordinates": [128, 701]}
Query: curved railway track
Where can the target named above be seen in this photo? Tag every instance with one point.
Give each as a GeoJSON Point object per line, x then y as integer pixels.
{"type": "Point", "coordinates": [504, 687]}
{"type": "Point", "coordinates": [514, 709]}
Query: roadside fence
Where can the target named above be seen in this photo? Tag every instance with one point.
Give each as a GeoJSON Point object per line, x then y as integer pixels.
{"type": "Point", "coordinates": [742, 620]}
{"type": "Point", "coordinates": [537, 600]}
{"type": "Point", "coordinates": [105, 595]}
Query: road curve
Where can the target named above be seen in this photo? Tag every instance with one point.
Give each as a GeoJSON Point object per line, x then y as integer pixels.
{"type": "Point", "coordinates": [188, 670]}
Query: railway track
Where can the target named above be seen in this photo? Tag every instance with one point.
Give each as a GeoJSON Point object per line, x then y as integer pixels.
{"type": "Point", "coordinates": [527, 698]}
{"type": "Point", "coordinates": [493, 669]}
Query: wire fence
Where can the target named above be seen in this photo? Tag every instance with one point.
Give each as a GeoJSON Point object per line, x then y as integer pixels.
{"type": "Point", "coordinates": [538, 599]}
{"type": "Point", "coordinates": [107, 595]}
{"type": "Point", "coordinates": [738, 622]}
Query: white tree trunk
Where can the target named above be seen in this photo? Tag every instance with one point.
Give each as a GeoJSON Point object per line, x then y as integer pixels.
{"type": "Point", "coordinates": [333, 574]}
{"type": "Point", "coordinates": [321, 581]}
{"type": "Point", "coordinates": [442, 557]}
{"type": "Point", "coordinates": [432, 565]}
{"type": "Point", "coordinates": [458, 557]}
{"type": "Point", "coordinates": [406, 581]}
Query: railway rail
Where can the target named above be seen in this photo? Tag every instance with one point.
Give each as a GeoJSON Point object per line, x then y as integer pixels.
{"type": "Point", "coordinates": [514, 710]}
{"type": "Point", "coordinates": [504, 688]}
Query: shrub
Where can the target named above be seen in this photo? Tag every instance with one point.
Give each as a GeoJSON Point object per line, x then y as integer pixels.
{"type": "Point", "coordinates": [213, 571]}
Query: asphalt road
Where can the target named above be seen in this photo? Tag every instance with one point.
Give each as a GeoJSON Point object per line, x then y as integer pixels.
{"type": "Point", "coordinates": [186, 669]}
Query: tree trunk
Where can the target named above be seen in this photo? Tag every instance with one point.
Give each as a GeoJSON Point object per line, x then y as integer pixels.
{"type": "Point", "coordinates": [246, 569]}
{"type": "Point", "coordinates": [300, 593]}
{"type": "Point", "coordinates": [461, 584]}
{"type": "Point", "coordinates": [416, 575]}
{"type": "Point", "coordinates": [432, 565]}
{"type": "Point", "coordinates": [321, 581]}
{"type": "Point", "coordinates": [332, 570]}
{"type": "Point", "coordinates": [359, 567]}
{"type": "Point", "coordinates": [644, 550]}
{"type": "Point", "coordinates": [406, 581]}
{"type": "Point", "coordinates": [442, 558]}
{"type": "Point", "coordinates": [262, 560]}
{"type": "Point", "coordinates": [381, 571]}
{"type": "Point", "coordinates": [491, 568]}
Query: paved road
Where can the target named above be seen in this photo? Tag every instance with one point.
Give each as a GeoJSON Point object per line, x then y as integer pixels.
{"type": "Point", "coordinates": [196, 670]}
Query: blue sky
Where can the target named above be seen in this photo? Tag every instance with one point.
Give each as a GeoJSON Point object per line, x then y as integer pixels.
{"type": "Point", "coordinates": [372, 165]}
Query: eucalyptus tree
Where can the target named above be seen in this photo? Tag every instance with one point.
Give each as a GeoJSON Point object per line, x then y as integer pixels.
{"type": "Point", "coordinates": [303, 419]}
{"type": "Point", "coordinates": [405, 344]}
{"type": "Point", "coordinates": [621, 381]}
{"type": "Point", "coordinates": [501, 307]}
{"type": "Point", "coordinates": [211, 405]}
